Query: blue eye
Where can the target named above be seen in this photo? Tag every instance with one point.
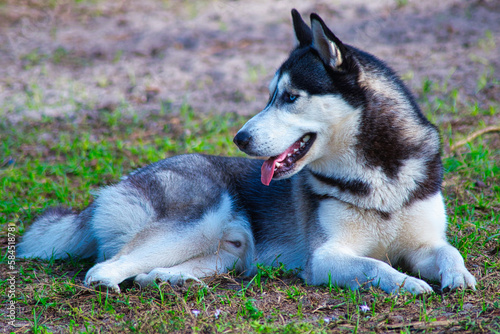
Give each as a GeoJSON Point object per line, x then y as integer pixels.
{"type": "Point", "coordinates": [290, 97]}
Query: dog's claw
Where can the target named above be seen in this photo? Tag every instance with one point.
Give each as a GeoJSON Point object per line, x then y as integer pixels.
{"type": "Point", "coordinates": [163, 275]}
{"type": "Point", "coordinates": [457, 279]}
{"type": "Point", "coordinates": [100, 284]}
{"type": "Point", "coordinates": [413, 285]}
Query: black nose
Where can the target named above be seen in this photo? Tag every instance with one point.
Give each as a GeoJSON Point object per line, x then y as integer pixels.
{"type": "Point", "coordinates": [242, 139]}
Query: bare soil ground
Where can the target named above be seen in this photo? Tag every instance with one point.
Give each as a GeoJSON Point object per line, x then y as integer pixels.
{"type": "Point", "coordinates": [69, 57]}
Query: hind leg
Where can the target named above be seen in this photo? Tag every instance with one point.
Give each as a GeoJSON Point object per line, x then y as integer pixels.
{"type": "Point", "coordinates": [175, 261]}
{"type": "Point", "coordinates": [218, 240]}
{"type": "Point", "coordinates": [191, 270]}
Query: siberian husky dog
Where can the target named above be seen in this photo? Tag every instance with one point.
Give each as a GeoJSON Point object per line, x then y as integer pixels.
{"type": "Point", "coordinates": [351, 187]}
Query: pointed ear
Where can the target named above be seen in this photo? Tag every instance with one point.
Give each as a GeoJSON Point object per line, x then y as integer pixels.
{"type": "Point", "coordinates": [330, 48]}
{"type": "Point", "coordinates": [302, 31]}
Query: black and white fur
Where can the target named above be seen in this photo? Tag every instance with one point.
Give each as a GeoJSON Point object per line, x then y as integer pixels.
{"type": "Point", "coordinates": [358, 192]}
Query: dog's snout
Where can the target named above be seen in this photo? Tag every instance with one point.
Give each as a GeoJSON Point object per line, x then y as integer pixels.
{"type": "Point", "coordinates": [242, 139]}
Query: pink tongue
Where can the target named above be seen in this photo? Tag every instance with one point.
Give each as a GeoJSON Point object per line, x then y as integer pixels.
{"type": "Point", "coordinates": [267, 169]}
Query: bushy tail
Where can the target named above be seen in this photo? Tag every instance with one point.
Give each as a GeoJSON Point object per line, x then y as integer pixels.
{"type": "Point", "coordinates": [58, 234]}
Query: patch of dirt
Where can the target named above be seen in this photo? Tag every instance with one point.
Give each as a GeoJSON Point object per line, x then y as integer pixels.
{"type": "Point", "coordinates": [69, 57]}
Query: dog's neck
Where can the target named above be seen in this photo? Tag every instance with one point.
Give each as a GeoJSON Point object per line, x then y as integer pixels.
{"type": "Point", "coordinates": [348, 173]}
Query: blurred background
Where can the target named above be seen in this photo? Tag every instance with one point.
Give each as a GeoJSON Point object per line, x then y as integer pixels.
{"type": "Point", "coordinates": [67, 57]}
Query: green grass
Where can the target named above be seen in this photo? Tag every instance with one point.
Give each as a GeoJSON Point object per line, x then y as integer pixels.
{"type": "Point", "coordinates": [58, 161]}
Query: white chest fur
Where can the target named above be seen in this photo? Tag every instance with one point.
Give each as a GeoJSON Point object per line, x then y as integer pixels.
{"type": "Point", "coordinates": [364, 232]}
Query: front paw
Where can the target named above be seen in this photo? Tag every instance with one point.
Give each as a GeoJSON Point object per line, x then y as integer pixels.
{"type": "Point", "coordinates": [458, 278]}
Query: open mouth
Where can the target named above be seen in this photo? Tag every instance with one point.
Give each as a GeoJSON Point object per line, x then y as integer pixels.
{"type": "Point", "coordinates": [284, 163]}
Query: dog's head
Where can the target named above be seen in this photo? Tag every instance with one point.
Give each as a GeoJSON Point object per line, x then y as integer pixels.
{"type": "Point", "coordinates": [313, 93]}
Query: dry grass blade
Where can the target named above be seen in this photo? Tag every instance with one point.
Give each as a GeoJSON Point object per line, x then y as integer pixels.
{"type": "Point", "coordinates": [474, 135]}
{"type": "Point", "coordinates": [422, 324]}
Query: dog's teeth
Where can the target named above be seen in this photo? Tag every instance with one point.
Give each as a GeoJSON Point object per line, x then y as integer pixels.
{"type": "Point", "coordinates": [278, 165]}
{"type": "Point", "coordinates": [302, 144]}
{"type": "Point", "coordinates": [295, 150]}
{"type": "Point", "coordinates": [289, 155]}
{"type": "Point", "coordinates": [306, 139]}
